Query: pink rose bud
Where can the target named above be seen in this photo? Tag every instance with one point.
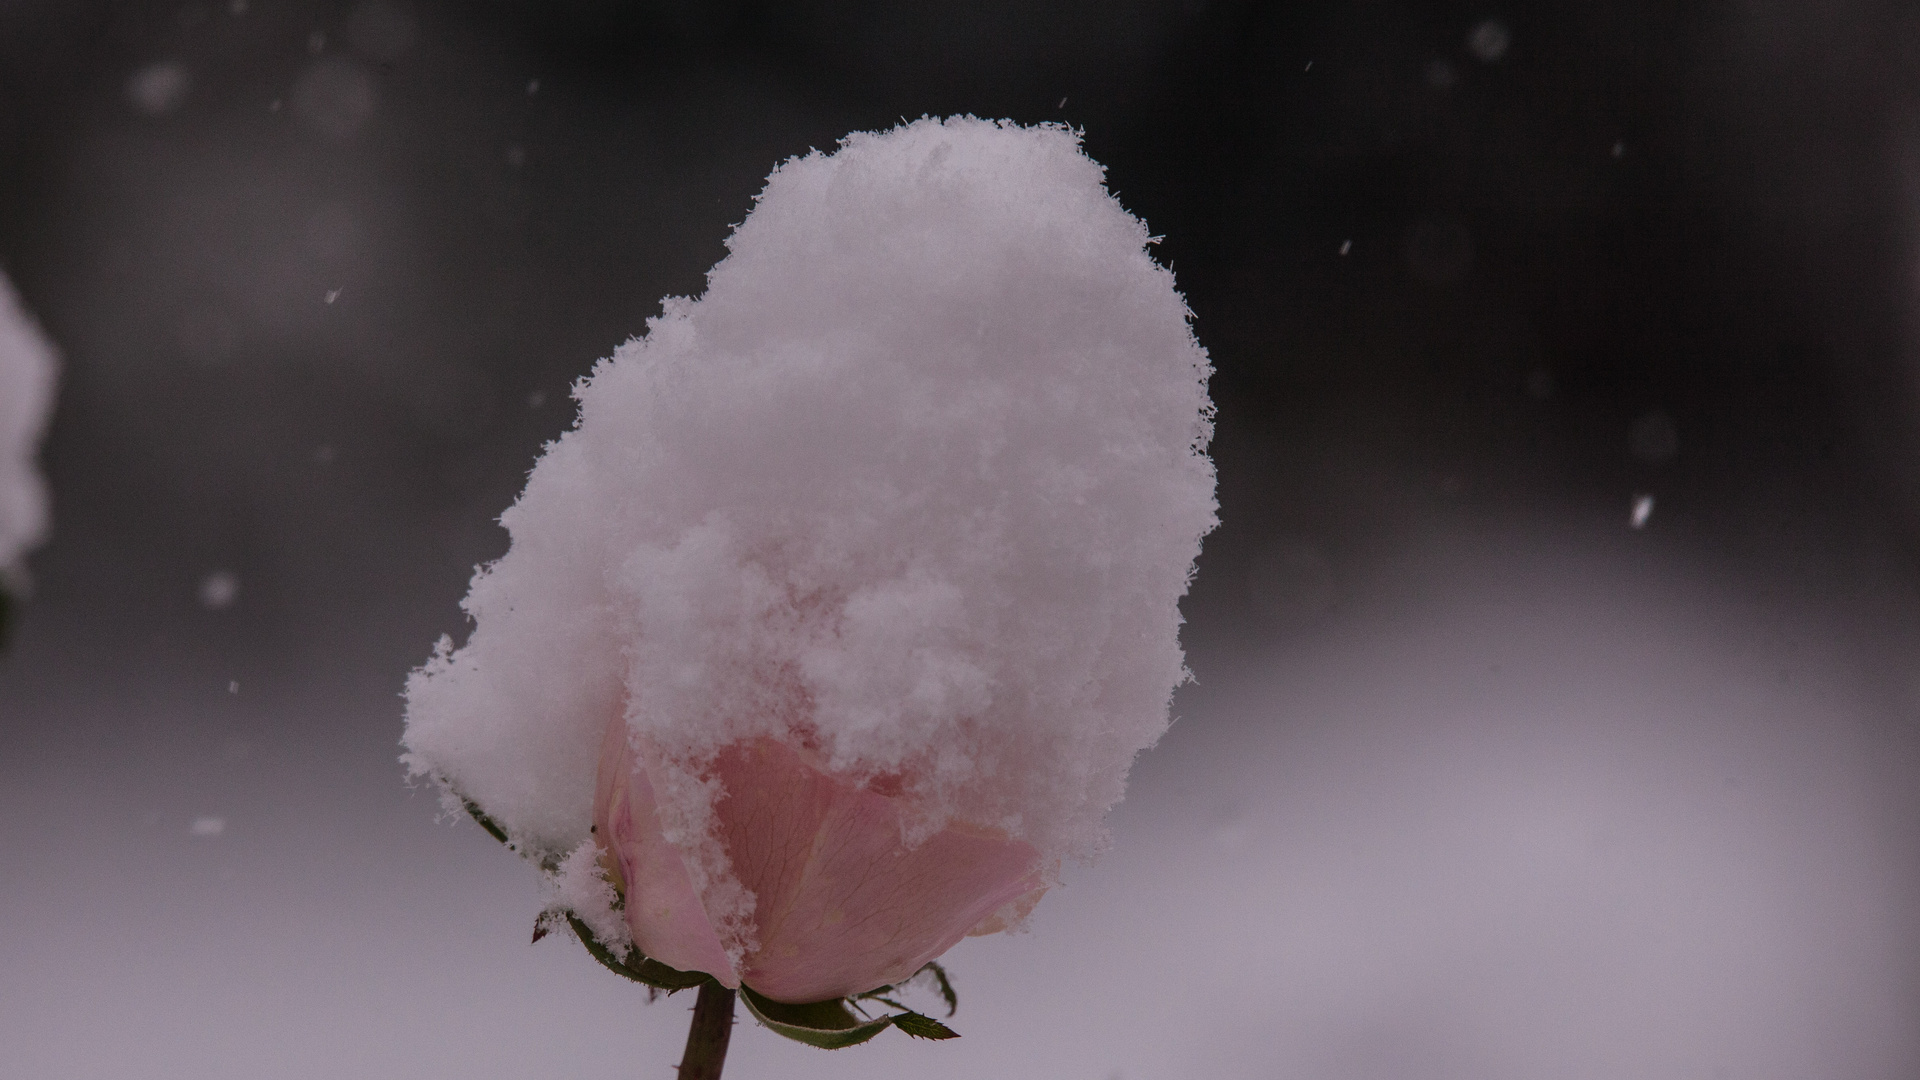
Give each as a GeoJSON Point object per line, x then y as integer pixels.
{"type": "Point", "coordinates": [841, 903]}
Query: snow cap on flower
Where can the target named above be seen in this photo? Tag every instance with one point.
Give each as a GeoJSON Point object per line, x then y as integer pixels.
{"type": "Point", "coordinates": [28, 364]}
{"type": "Point", "coordinates": [915, 487]}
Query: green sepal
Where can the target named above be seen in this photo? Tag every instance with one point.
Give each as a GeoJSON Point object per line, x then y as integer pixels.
{"type": "Point", "coordinates": [946, 987]}
{"type": "Point", "coordinates": [918, 1025]}
{"type": "Point", "coordinates": [638, 966]}
{"type": "Point", "coordinates": [923, 1027]}
{"type": "Point", "coordinates": [932, 968]}
{"type": "Point", "coordinates": [828, 1025]}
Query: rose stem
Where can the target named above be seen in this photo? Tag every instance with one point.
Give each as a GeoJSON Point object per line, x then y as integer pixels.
{"type": "Point", "coordinates": [707, 1038]}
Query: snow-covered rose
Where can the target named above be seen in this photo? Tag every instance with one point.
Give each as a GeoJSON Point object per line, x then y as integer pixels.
{"type": "Point", "coordinates": [835, 623]}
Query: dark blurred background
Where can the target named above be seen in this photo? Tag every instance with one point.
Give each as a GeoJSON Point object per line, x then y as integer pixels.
{"type": "Point", "coordinates": [1573, 341]}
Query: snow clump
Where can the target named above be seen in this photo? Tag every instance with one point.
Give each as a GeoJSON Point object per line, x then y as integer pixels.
{"type": "Point", "coordinates": [28, 363]}
{"type": "Point", "coordinates": [916, 487]}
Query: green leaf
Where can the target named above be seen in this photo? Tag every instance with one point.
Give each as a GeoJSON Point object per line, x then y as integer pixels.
{"type": "Point", "coordinates": [923, 1027]}
{"type": "Point", "coordinates": [638, 966]}
{"type": "Point", "coordinates": [829, 1025]}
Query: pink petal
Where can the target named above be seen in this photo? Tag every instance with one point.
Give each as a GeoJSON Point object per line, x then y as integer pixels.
{"type": "Point", "coordinates": [842, 905]}
{"type": "Point", "coordinates": [663, 910]}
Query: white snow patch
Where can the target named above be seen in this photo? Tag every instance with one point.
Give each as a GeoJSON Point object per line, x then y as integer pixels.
{"type": "Point", "coordinates": [919, 482]}
{"type": "Point", "coordinates": [28, 366]}
{"type": "Point", "coordinates": [579, 885]}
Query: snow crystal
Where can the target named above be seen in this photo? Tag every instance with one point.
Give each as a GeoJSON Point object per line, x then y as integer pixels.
{"type": "Point", "coordinates": [580, 886]}
{"type": "Point", "coordinates": [1490, 40]}
{"type": "Point", "coordinates": [1642, 511]}
{"type": "Point", "coordinates": [27, 367]}
{"type": "Point", "coordinates": [219, 590]}
{"type": "Point", "coordinates": [917, 484]}
{"type": "Point", "coordinates": [159, 89]}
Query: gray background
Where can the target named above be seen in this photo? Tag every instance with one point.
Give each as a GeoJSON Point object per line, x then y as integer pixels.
{"type": "Point", "coordinates": [1476, 780]}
